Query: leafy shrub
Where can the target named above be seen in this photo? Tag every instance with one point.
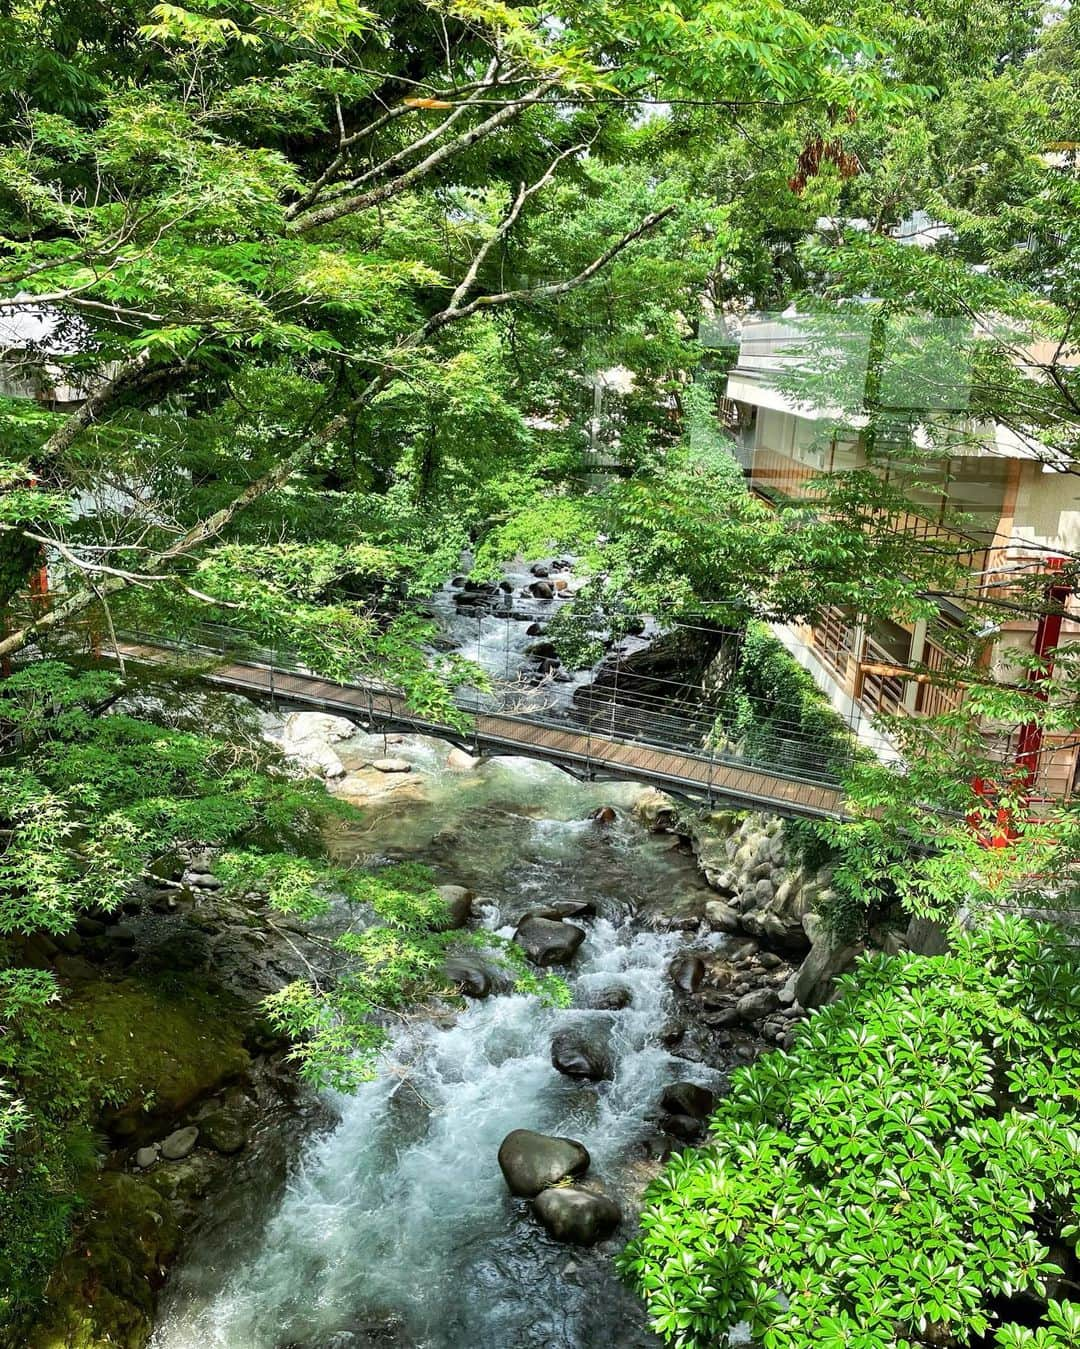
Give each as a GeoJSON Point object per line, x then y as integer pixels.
{"type": "Point", "coordinates": [896, 1177]}
{"type": "Point", "coordinates": [777, 715]}
{"type": "Point", "coordinates": [394, 961]}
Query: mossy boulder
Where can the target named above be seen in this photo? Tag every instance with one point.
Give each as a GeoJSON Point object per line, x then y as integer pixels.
{"type": "Point", "coordinates": [103, 1291]}
{"type": "Point", "coordinates": [151, 1050]}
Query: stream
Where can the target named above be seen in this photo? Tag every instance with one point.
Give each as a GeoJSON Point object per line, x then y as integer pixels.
{"type": "Point", "coordinates": [394, 1226]}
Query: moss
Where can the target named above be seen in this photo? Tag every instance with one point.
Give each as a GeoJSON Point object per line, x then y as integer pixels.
{"type": "Point", "coordinates": [150, 1050]}
{"type": "Point", "coordinates": [128, 1056]}
{"type": "Point", "coordinates": [102, 1294]}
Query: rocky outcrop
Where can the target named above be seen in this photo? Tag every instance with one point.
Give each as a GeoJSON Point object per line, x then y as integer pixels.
{"type": "Point", "coordinates": [811, 984]}
{"type": "Point", "coordinates": [531, 1162]}
{"type": "Point", "coordinates": [765, 889]}
{"type": "Point", "coordinates": [308, 737]}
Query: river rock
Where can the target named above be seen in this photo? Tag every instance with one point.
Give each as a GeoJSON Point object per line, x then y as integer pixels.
{"type": "Point", "coordinates": [75, 968]}
{"type": "Point", "coordinates": [391, 765]}
{"type": "Point", "coordinates": [147, 1156]}
{"type": "Point", "coordinates": [467, 970]}
{"type": "Point", "coordinates": [458, 761]}
{"type": "Point", "coordinates": [687, 972]}
{"type": "Point", "coordinates": [687, 1098]}
{"type": "Point", "coordinates": [180, 1143]}
{"type": "Point", "coordinates": [308, 736]}
{"type": "Point", "coordinates": [541, 570]}
{"type": "Point", "coordinates": [753, 1006]}
{"type": "Point", "coordinates": [567, 908]}
{"type": "Point", "coordinates": [224, 1131]}
{"type": "Point", "coordinates": [610, 998]}
{"type": "Point", "coordinates": [684, 1127]}
{"type": "Point", "coordinates": [722, 917]}
{"type": "Point", "coordinates": [542, 590]}
{"type": "Point", "coordinates": [546, 941]}
{"type": "Point", "coordinates": [583, 1051]}
{"type": "Point", "coordinates": [531, 1161]}
{"type": "Point", "coordinates": [826, 960]}
{"type": "Point", "coordinates": [603, 815]}
{"type": "Point", "coordinates": [655, 811]}
{"type": "Point", "coordinates": [577, 1216]}
{"type": "Point", "coordinates": [458, 901]}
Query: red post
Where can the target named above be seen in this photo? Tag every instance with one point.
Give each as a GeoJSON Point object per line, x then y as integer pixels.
{"type": "Point", "coordinates": [1029, 745]}
{"type": "Point", "coordinates": [1047, 636]}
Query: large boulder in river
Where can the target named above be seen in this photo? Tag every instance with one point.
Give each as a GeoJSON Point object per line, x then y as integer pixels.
{"type": "Point", "coordinates": [468, 971]}
{"type": "Point", "coordinates": [547, 941]}
{"type": "Point", "coordinates": [458, 901]}
{"type": "Point", "coordinates": [578, 1216]}
{"type": "Point", "coordinates": [687, 1098]}
{"type": "Point", "coordinates": [584, 1051]}
{"type": "Point", "coordinates": [530, 1161]}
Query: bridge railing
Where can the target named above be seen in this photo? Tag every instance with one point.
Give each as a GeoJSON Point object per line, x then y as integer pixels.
{"type": "Point", "coordinates": [776, 743]}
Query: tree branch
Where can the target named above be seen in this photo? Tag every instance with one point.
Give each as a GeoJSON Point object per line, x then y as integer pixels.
{"type": "Point", "coordinates": [375, 196]}
{"type": "Point", "coordinates": [276, 477]}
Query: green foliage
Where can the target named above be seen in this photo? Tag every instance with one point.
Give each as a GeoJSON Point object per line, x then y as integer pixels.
{"type": "Point", "coordinates": [394, 961]}
{"type": "Point", "coordinates": [96, 800]}
{"type": "Point", "coordinates": [897, 1172]}
{"type": "Point", "coordinates": [774, 713]}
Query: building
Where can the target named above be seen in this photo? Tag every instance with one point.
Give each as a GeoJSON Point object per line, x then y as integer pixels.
{"type": "Point", "coordinates": [1021, 512]}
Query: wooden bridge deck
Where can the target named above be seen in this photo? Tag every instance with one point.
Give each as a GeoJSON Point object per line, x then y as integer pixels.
{"type": "Point", "coordinates": [582, 750]}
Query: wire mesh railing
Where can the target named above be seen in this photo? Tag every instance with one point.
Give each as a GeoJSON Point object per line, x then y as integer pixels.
{"type": "Point", "coordinates": [759, 734]}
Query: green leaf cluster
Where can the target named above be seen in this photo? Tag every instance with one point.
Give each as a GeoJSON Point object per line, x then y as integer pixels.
{"type": "Point", "coordinates": [899, 1175]}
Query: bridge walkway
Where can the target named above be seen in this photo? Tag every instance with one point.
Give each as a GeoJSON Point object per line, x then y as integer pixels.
{"type": "Point", "coordinates": [584, 751]}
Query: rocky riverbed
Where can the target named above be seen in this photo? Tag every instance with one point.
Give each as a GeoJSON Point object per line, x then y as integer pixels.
{"type": "Point", "coordinates": [682, 941]}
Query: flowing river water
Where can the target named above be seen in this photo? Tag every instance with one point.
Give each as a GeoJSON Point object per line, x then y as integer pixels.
{"type": "Point", "coordinates": [393, 1225]}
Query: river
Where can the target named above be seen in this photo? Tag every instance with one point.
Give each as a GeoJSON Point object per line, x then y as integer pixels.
{"type": "Point", "coordinates": [394, 1225]}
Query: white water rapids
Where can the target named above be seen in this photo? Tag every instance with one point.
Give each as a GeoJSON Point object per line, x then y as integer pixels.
{"type": "Point", "coordinates": [395, 1226]}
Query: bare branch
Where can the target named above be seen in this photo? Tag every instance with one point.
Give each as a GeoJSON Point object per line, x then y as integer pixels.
{"type": "Point", "coordinates": [363, 201]}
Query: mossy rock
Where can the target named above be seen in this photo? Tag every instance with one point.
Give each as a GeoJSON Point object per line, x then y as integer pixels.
{"type": "Point", "coordinates": [102, 1293]}
{"type": "Point", "coordinates": [151, 1050]}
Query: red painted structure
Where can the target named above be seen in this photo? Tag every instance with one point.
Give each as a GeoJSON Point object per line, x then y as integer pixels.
{"type": "Point", "coordinates": [1047, 636]}
{"type": "Point", "coordinates": [1030, 743]}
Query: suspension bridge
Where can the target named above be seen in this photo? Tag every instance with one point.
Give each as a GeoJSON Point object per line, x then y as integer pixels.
{"type": "Point", "coordinates": [638, 738]}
